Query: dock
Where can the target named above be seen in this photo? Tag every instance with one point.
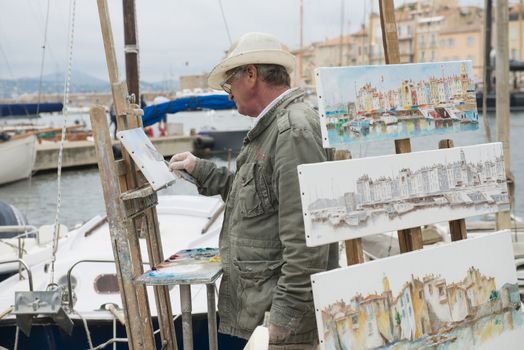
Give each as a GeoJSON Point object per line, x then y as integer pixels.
{"type": "Point", "coordinates": [82, 153]}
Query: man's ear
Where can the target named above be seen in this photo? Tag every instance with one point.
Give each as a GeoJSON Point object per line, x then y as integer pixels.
{"type": "Point", "coordinates": [252, 72]}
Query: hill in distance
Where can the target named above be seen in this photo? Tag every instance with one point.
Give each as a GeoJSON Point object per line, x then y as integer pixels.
{"type": "Point", "coordinates": [80, 82]}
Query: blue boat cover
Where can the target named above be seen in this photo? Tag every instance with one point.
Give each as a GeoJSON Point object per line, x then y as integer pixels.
{"type": "Point", "coordinates": [21, 109]}
{"type": "Point", "coordinates": [155, 113]}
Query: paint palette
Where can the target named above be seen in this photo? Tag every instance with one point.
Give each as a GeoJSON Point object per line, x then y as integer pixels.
{"type": "Point", "coordinates": [188, 266]}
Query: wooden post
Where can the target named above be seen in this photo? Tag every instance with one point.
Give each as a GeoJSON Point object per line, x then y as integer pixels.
{"type": "Point", "coordinates": [354, 249]}
{"type": "Point", "coordinates": [389, 31]}
{"type": "Point", "coordinates": [131, 49]}
{"type": "Point", "coordinates": [409, 239]}
{"type": "Point", "coordinates": [163, 301]}
{"type": "Point", "coordinates": [457, 228]}
{"type": "Point", "coordinates": [503, 91]}
{"type": "Point", "coordinates": [138, 327]}
{"type": "Point", "coordinates": [486, 87]}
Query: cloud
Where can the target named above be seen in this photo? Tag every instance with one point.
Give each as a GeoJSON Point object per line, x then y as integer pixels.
{"type": "Point", "coordinates": [175, 37]}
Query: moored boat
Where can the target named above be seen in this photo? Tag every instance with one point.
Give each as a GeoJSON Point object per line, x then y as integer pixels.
{"type": "Point", "coordinates": [388, 118]}
{"type": "Point", "coordinates": [85, 270]}
{"type": "Point", "coordinates": [19, 240]}
{"type": "Point", "coordinates": [358, 125]}
{"type": "Point", "coordinates": [17, 156]}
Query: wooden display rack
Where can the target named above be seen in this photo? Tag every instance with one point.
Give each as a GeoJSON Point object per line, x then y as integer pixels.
{"type": "Point", "coordinates": [409, 239]}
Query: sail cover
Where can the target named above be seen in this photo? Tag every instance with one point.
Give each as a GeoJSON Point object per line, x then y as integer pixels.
{"type": "Point", "coordinates": [155, 113]}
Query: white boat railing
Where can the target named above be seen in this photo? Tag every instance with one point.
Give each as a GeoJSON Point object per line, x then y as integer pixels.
{"type": "Point", "coordinates": [22, 262]}
{"type": "Point", "coordinates": [69, 284]}
{"type": "Point", "coordinates": [23, 229]}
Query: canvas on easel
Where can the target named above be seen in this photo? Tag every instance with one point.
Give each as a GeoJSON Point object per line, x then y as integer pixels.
{"type": "Point", "coordinates": [146, 156]}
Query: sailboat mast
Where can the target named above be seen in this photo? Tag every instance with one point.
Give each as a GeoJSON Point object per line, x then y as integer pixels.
{"type": "Point", "coordinates": [300, 72]}
{"type": "Point", "coordinates": [131, 49]}
{"type": "Point", "coordinates": [340, 59]}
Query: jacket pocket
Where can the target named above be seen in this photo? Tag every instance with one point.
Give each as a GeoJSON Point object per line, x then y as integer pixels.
{"type": "Point", "coordinates": [249, 199]}
{"type": "Point", "coordinates": [255, 287]}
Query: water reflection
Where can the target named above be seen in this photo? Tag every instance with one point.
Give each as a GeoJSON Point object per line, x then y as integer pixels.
{"type": "Point", "coordinates": [403, 129]}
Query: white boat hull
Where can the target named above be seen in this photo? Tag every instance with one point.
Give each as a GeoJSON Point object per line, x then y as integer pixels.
{"type": "Point", "coordinates": [181, 220]}
{"type": "Point", "coordinates": [18, 158]}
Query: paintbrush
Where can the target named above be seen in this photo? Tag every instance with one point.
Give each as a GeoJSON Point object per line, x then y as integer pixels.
{"type": "Point", "coordinates": [181, 174]}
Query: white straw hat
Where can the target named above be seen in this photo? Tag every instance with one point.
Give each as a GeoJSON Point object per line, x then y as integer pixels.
{"type": "Point", "coordinates": [252, 48]}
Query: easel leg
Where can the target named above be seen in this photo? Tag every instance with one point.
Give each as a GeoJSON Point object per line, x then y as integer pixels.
{"type": "Point", "coordinates": [211, 317]}
{"type": "Point", "coordinates": [187, 323]}
{"type": "Point", "coordinates": [410, 239]}
{"type": "Point", "coordinates": [457, 228]}
{"type": "Point", "coordinates": [354, 251]}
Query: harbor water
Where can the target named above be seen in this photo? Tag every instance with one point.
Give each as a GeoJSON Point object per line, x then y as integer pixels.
{"type": "Point", "coordinates": [81, 192]}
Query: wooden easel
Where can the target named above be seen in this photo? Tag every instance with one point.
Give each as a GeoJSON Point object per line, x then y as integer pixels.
{"type": "Point", "coordinates": [409, 239]}
{"type": "Point", "coordinates": [131, 208]}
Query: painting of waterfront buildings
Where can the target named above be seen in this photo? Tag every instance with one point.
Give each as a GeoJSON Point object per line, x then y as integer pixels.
{"type": "Point", "coordinates": [353, 198]}
{"type": "Point", "coordinates": [382, 307]}
{"type": "Point", "coordinates": [369, 103]}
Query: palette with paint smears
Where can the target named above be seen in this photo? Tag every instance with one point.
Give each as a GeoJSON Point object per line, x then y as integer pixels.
{"type": "Point", "coordinates": [188, 266]}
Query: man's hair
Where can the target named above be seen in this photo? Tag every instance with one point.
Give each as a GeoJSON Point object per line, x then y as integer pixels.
{"type": "Point", "coordinates": [273, 74]}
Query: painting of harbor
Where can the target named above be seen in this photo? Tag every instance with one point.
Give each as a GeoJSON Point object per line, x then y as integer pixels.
{"type": "Point", "coordinates": [353, 198]}
{"type": "Point", "coordinates": [443, 298]}
{"type": "Point", "coordinates": [370, 103]}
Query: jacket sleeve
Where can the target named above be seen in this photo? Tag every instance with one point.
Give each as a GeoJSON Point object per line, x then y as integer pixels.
{"type": "Point", "coordinates": [212, 180]}
{"type": "Point", "coordinates": [292, 305]}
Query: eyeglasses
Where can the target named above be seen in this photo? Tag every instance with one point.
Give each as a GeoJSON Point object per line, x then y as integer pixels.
{"type": "Point", "coordinates": [226, 84]}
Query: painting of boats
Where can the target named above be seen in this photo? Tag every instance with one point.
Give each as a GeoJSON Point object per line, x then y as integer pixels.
{"type": "Point", "coordinates": [398, 101]}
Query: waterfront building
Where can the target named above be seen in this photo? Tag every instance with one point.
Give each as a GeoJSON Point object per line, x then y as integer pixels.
{"type": "Point", "coordinates": [427, 31]}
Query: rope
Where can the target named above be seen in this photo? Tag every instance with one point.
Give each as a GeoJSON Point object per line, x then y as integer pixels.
{"type": "Point", "coordinates": [67, 83]}
{"type": "Point", "coordinates": [43, 58]}
{"type": "Point", "coordinates": [225, 21]}
{"type": "Point", "coordinates": [84, 321]}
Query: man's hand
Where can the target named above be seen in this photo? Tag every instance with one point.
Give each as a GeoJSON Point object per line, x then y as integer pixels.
{"type": "Point", "coordinates": [277, 333]}
{"type": "Point", "coordinates": [183, 161]}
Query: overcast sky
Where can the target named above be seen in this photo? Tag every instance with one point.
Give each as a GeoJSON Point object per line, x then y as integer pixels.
{"type": "Point", "coordinates": [176, 37]}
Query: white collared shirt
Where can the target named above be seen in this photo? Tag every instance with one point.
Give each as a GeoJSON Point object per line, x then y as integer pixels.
{"type": "Point", "coordinates": [269, 106]}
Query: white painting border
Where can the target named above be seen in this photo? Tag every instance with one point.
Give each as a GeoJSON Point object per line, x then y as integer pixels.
{"type": "Point", "coordinates": [403, 191]}
{"type": "Point", "coordinates": [491, 254]}
{"type": "Point", "coordinates": [411, 72]}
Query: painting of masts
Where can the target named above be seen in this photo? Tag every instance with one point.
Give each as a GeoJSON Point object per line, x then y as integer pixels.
{"type": "Point", "coordinates": [446, 297]}
{"type": "Point", "coordinates": [353, 198]}
{"type": "Point", "coordinates": [369, 103]}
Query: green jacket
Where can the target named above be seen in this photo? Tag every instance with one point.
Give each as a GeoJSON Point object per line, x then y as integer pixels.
{"type": "Point", "coordinates": [266, 263]}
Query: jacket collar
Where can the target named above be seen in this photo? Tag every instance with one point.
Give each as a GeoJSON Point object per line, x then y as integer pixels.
{"type": "Point", "coordinates": [271, 114]}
